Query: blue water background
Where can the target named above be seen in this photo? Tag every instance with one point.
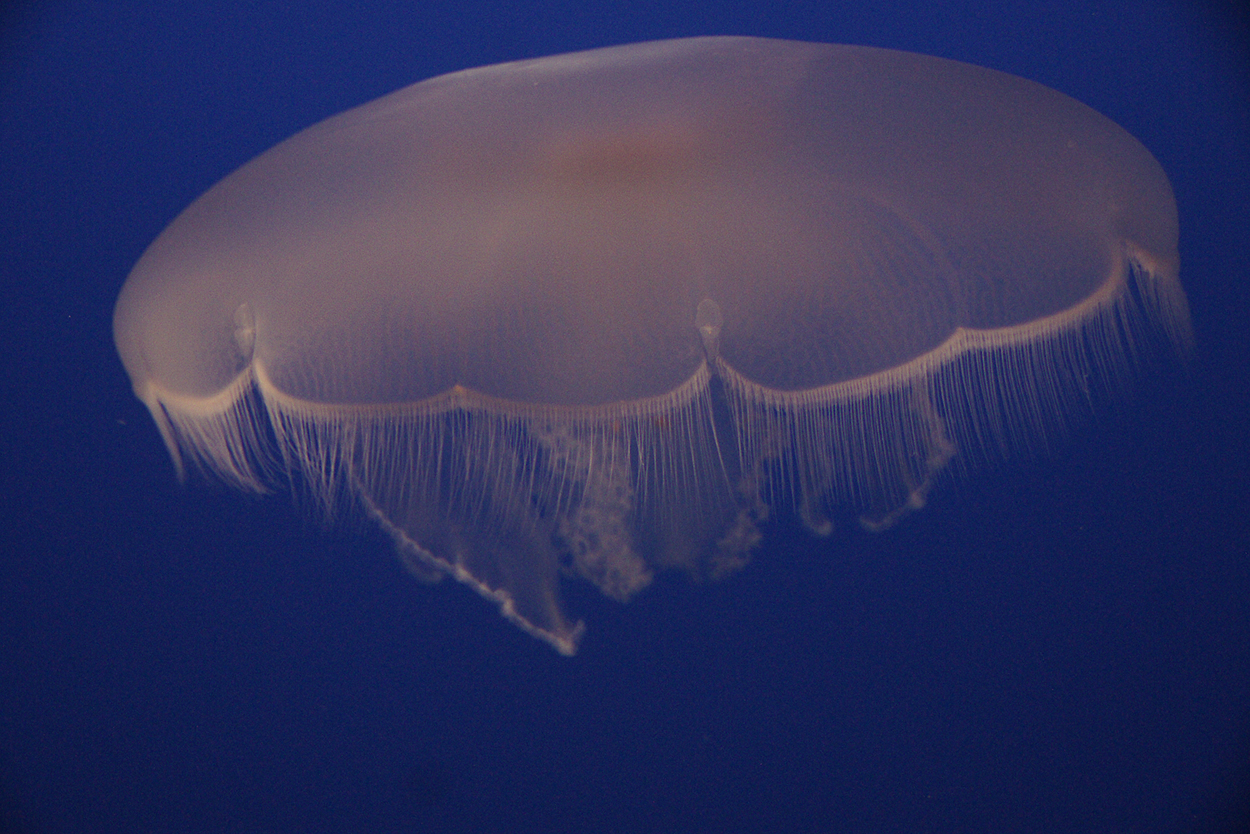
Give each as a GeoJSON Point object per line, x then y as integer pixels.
{"type": "Point", "coordinates": [1059, 645]}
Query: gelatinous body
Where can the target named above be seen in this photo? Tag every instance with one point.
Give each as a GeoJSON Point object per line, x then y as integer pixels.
{"type": "Point", "coordinates": [597, 314]}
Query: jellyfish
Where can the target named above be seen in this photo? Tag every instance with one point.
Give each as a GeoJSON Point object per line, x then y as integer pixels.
{"type": "Point", "coordinates": [601, 315]}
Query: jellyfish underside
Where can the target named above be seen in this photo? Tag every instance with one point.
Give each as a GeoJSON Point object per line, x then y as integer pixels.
{"type": "Point", "coordinates": [600, 315]}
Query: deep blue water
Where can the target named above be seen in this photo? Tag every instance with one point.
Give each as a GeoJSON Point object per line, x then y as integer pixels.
{"type": "Point", "coordinates": [1060, 645]}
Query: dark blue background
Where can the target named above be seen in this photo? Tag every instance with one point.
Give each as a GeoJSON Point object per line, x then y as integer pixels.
{"type": "Point", "coordinates": [1059, 645]}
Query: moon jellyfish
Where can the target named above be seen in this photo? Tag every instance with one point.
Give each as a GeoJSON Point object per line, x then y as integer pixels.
{"type": "Point", "coordinates": [599, 315]}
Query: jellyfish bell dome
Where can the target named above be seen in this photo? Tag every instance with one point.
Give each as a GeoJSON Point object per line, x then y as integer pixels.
{"type": "Point", "coordinates": [598, 315]}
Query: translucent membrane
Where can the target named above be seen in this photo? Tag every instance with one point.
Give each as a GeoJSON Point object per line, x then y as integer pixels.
{"type": "Point", "coordinates": [596, 314]}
